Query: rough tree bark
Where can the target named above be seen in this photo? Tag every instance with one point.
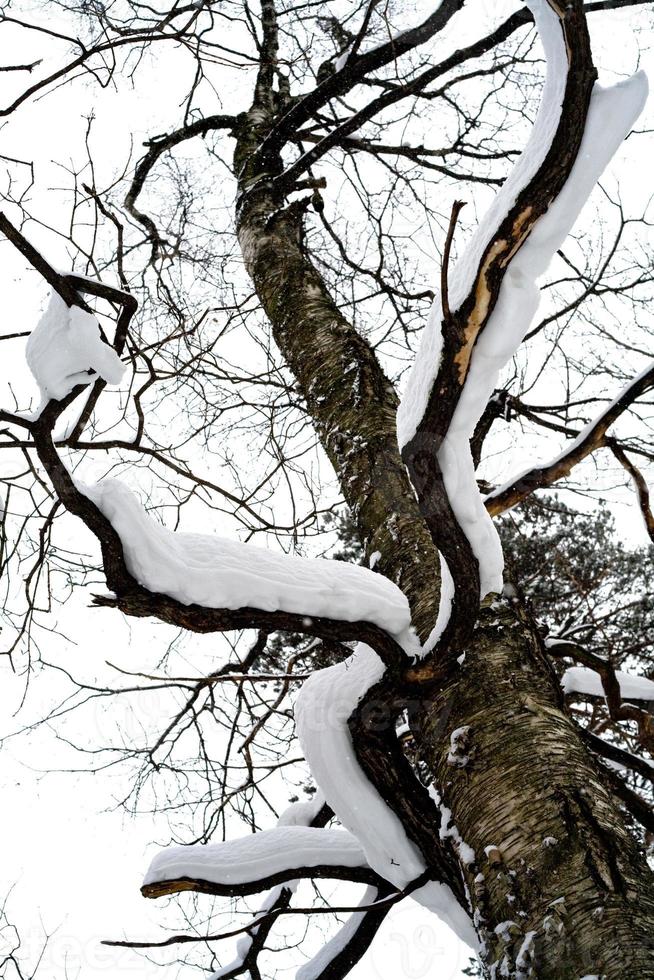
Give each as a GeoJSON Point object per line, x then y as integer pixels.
{"type": "Point", "coordinates": [563, 890]}
{"type": "Point", "coordinates": [555, 856]}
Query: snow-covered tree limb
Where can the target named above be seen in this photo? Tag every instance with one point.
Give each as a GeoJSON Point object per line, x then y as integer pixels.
{"type": "Point", "coordinates": [248, 865]}
{"type": "Point", "coordinates": [494, 297]}
{"type": "Point", "coordinates": [588, 441]}
{"type": "Point", "coordinates": [301, 596]}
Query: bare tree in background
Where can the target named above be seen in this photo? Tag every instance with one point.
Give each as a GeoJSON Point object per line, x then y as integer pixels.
{"type": "Point", "coordinates": [442, 742]}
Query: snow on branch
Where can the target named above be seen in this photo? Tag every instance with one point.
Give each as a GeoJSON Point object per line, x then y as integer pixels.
{"type": "Point", "coordinates": [216, 572]}
{"type": "Point", "coordinates": [323, 708]}
{"type": "Point", "coordinates": [310, 814]}
{"type": "Point", "coordinates": [589, 439]}
{"type": "Point", "coordinates": [584, 680]}
{"type": "Point", "coordinates": [469, 273]}
{"type": "Point", "coordinates": [226, 585]}
{"type": "Point", "coordinates": [297, 848]}
{"type": "Point", "coordinates": [66, 349]}
{"type": "Point", "coordinates": [628, 697]}
{"type": "Point", "coordinates": [493, 294]}
{"type": "Point", "coordinates": [250, 864]}
{"type": "Point", "coordinates": [210, 584]}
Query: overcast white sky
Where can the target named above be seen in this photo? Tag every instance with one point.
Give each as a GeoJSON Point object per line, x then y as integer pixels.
{"type": "Point", "coordinates": [76, 859]}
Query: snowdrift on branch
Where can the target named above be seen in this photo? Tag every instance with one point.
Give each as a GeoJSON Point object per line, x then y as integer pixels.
{"type": "Point", "coordinates": [66, 349]}
{"type": "Point", "coordinates": [218, 573]}
{"type": "Point", "coordinates": [257, 858]}
{"type": "Point", "coordinates": [584, 680]}
{"type": "Point", "coordinates": [325, 702]}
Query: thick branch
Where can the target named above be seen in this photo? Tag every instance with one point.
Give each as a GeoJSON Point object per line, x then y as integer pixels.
{"type": "Point", "coordinates": [616, 754]}
{"type": "Point", "coordinates": [463, 326]}
{"type": "Point", "coordinates": [139, 602]}
{"type": "Point", "coordinates": [329, 871]}
{"type": "Point", "coordinates": [357, 67]}
{"type": "Point", "coordinates": [635, 804]}
{"type": "Point", "coordinates": [131, 597]}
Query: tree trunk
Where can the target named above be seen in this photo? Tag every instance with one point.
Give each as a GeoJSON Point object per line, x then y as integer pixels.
{"type": "Point", "coordinates": [350, 401]}
{"type": "Point", "coordinates": [560, 888]}
{"type": "Point", "coordinates": [564, 891]}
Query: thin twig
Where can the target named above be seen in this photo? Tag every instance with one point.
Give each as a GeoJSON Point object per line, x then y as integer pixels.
{"type": "Point", "coordinates": [445, 300]}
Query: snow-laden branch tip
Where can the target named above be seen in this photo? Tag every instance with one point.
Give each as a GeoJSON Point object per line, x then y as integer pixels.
{"type": "Point", "coordinates": [591, 437]}
{"type": "Point", "coordinates": [66, 349]}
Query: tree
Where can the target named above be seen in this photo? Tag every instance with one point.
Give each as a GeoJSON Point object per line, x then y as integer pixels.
{"type": "Point", "coordinates": [521, 843]}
